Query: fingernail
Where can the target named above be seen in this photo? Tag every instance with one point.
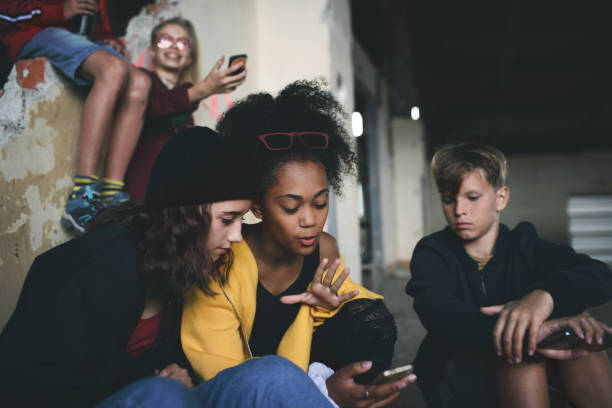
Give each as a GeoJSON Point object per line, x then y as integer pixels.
{"type": "Point", "coordinates": [509, 360]}
{"type": "Point", "coordinates": [581, 336]}
{"type": "Point", "coordinates": [401, 385]}
{"type": "Point", "coordinates": [600, 340]}
{"type": "Point", "coordinates": [366, 364]}
{"type": "Point", "coordinates": [589, 340]}
{"type": "Point", "coordinates": [517, 360]}
{"type": "Point", "coordinates": [531, 352]}
{"type": "Point", "coordinates": [412, 377]}
{"type": "Point", "coordinates": [498, 353]}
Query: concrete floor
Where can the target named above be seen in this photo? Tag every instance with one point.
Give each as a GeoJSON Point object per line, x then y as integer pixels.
{"type": "Point", "coordinates": [411, 333]}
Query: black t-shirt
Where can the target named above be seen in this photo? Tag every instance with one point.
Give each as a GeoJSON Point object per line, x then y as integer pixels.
{"type": "Point", "coordinates": [273, 318]}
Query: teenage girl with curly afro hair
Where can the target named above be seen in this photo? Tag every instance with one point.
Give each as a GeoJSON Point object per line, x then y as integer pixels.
{"type": "Point", "coordinates": [278, 297]}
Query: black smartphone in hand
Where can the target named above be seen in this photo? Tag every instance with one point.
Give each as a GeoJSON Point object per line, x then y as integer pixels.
{"type": "Point", "coordinates": [393, 374]}
{"type": "Point", "coordinates": [235, 59]}
{"type": "Point", "coordinates": [567, 339]}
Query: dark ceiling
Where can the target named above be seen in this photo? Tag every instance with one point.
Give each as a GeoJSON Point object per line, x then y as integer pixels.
{"type": "Point", "coordinates": [527, 76]}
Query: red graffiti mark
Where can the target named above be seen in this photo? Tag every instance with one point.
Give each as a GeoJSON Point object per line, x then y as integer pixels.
{"type": "Point", "coordinates": [214, 106]}
{"type": "Point", "coordinates": [214, 111]}
{"type": "Point", "coordinates": [31, 72]}
{"type": "Point", "coordinates": [141, 58]}
{"type": "Point", "coordinates": [229, 101]}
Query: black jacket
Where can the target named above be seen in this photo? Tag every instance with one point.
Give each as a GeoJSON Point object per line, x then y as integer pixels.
{"type": "Point", "coordinates": [448, 291]}
{"type": "Point", "coordinates": [65, 343]}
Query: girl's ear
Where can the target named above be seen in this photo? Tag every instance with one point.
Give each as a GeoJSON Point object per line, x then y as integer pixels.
{"type": "Point", "coordinates": [256, 210]}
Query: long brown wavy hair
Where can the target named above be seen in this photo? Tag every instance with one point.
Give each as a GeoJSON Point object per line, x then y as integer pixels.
{"type": "Point", "coordinates": [172, 243]}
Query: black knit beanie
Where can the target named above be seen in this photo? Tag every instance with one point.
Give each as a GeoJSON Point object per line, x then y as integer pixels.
{"type": "Point", "coordinates": [196, 166]}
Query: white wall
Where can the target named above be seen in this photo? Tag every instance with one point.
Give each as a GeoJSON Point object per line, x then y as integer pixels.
{"type": "Point", "coordinates": [409, 170]}
{"type": "Point", "coordinates": [540, 186]}
{"type": "Point", "coordinates": [336, 16]}
{"type": "Point", "coordinates": [224, 29]}
{"type": "Point", "coordinates": [376, 88]}
{"type": "Point", "coordinates": [286, 40]}
{"type": "Point", "coordinates": [386, 171]}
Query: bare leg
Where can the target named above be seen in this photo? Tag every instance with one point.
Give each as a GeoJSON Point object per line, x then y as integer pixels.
{"type": "Point", "coordinates": [587, 381]}
{"type": "Point", "coordinates": [109, 75]}
{"type": "Point", "coordinates": [128, 122]}
{"type": "Point", "coordinates": [522, 385]}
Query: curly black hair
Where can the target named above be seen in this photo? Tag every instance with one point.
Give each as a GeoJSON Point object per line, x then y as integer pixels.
{"type": "Point", "coordinates": [300, 106]}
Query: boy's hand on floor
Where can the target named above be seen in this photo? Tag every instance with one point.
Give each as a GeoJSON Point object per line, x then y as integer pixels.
{"type": "Point", "coordinates": [177, 373]}
{"type": "Point", "coordinates": [347, 393]}
{"type": "Point", "coordinates": [73, 8]}
{"type": "Point", "coordinates": [515, 318]}
{"type": "Point", "coordinates": [322, 291]}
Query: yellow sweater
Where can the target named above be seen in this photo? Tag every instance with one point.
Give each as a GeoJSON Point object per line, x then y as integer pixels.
{"type": "Point", "coordinates": [212, 327]}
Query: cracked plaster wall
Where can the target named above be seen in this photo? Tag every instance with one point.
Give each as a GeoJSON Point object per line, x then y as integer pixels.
{"type": "Point", "coordinates": [37, 161]}
{"type": "Point", "coordinates": [39, 124]}
{"type": "Point", "coordinates": [40, 115]}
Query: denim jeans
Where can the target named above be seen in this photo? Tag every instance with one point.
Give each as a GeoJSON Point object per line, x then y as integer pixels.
{"type": "Point", "coordinates": [65, 50]}
{"type": "Point", "coordinates": [269, 381]}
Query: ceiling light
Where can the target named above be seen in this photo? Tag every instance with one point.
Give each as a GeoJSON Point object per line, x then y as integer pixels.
{"type": "Point", "coordinates": [357, 121]}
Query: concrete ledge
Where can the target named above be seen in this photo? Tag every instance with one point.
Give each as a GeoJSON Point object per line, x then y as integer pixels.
{"type": "Point", "coordinates": [39, 128]}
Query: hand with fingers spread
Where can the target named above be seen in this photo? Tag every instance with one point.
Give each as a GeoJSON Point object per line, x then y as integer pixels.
{"type": "Point", "coordinates": [73, 8]}
{"type": "Point", "coordinates": [586, 327]}
{"type": "Point", "coordinates": [218, 81]}
{"type": "Point", "coordinates": [516, 318]}
{"type": "Point", "coordinates": [323, 292]}
{"type": "Point", "coordinates": [347, 393]}
{"type": "Point", "coordinates": [177, 373]}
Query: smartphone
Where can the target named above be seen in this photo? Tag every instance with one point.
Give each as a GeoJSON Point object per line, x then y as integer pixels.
{"type": "Point", "coordinates": [235, 59]}
{"type": "Point", "coordinates": [562, 340]}
{"type": "Point", "coordinates": [567, 339]}
{"type": "Point", "coordinates": [394, 374]}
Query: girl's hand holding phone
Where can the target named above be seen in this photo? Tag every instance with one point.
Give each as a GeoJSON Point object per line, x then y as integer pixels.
{"type": "Point", "coordinates": [217, 81]}
{"type": "Point", "coordinates": [347, 393]}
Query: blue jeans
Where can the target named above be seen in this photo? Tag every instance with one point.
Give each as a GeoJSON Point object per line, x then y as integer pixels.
{"type": "Point", "coordinates": [269, 381]}
{"type": "Point", "coordinates": [65, 50]}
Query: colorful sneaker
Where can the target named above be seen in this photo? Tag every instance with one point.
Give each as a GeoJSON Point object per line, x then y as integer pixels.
{"type": "Point", "coordinates": [81, 207]}
{"type": "Point", "coordinates": [117, 198]}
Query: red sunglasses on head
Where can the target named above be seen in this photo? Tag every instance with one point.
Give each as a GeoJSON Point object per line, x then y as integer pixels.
{"type": "Point", "coordinates": [166, 41]}
{"type": "Point", "coordinates": [284, 140]}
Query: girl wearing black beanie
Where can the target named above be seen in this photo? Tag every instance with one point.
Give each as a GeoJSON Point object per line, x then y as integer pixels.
{"type": "Point", "coordinates": [103, 310]}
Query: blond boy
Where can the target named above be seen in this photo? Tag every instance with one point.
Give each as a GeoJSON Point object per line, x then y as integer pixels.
{"type": "Point", "coordinates": [486, 294]}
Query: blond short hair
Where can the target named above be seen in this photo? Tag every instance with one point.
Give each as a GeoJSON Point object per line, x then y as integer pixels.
{"type": "Point", "coordinates": [451, 163]}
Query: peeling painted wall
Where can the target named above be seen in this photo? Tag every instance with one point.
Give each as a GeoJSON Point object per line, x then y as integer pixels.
{"type": "Point", "coordinates": [37, 161]}
{"type": "Point", "coordinates": [39, 118]}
